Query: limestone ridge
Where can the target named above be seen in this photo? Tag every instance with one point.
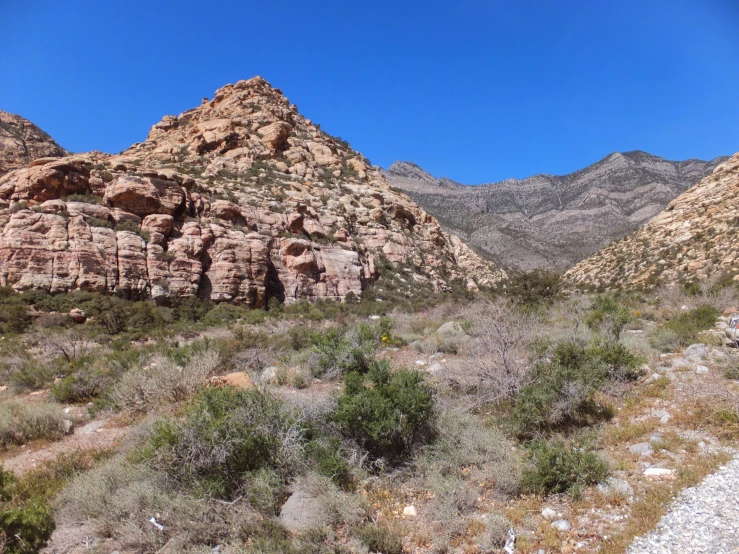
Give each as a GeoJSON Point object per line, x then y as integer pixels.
{"type": "Point", "coordinates": [549, 221]}
{"type": "Point", "coordinates": [240, 199]}
{"type": "Point", "coordinates": [22, 142]}
{"type": "Point", "coordinates": [695, 236]}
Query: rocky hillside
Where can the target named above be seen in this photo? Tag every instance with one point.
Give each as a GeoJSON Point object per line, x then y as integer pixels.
{"type": "Point", "coordinates": [22, 142]}
{"type": "Point", "coordinates": [239, 199]}
{"type": "Point", "coordinates": [697, 235]}
{"type": "Point", "coordinates": [548, 221]}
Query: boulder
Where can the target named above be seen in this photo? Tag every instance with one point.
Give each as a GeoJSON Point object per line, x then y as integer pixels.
{"type": "Point", "coordinates": [303, 511]}
{"type": "Point", "coordinates": [616, 487]}
{"type": "Point", "coordinates": [238, 379]}
{"type": "Point", "coordinates": [77, 315]}
{"type": "Point", "coordinates": [561, 525]}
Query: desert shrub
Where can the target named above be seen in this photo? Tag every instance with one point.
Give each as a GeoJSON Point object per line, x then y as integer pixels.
{"type": "Point", "coordinates": [353, 350]}
{"type": "Point", "coordinates": [380, 538]}
{"type": "Point", "coordinates": [87, 198]}
{"type": "Point", "coordinates": [464, 442]}
{"type": "Point", "coordinates": [226, 313]}
{"type": "Point", "coordinates": [134, 228]}
{"type": "Point", "coordinates": [388, 416]}
{"type": "Point", "coordinates": [226, 434]}
{"type": "Point", "coordinates": [21, 422]}
{"type": "Point", "coordinates": [26, 522]}
{"type": "Point", "coordinates": [561, 467]}
{"type": "Point", "coordinates": [324, 453]}
{"type": "Point", "coordinates": [31, 374]}
{"type": "Point", "coordinates": [664, 340]}
{"type": "Point", "coordinates": [608, 313]}
{"type": "Point", "coordinates": [119, 497]}
{"type": "Point", "coordinates": [535, 287]}
{"type": "Point", "coordinates": [688, 324]}
{"type": "Point", "coordinates": [497, 365]}
{"type": "Point", "coordinates": [14, 314]}
{"type": "Point", "coordinates": [562, 390]}
{"type": "Point", "coordinates": [496, 531]}
{"type": "Point", "coordinates": [163, 381]}
{"type": "Point", "coordinates": [80, 386]}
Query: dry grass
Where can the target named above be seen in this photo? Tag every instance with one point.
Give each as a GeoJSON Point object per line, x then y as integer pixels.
{"type": "Point", "coordinates": [616, 436]}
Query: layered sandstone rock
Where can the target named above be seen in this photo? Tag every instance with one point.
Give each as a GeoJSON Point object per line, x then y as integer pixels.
{"type": "Point", "coordinates": [696, 236]}
{"type": "Point", "coordinates": [241, 199]}
{"type": "Point", "coordinates": [21, 142]}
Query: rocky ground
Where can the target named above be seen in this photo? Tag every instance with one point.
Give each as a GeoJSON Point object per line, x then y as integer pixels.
{"type": "Point", "coordinates": [703, 519]}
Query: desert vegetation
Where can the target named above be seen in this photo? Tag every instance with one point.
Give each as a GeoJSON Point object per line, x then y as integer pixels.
{"type": "Point", "coordinates": [437, 423]}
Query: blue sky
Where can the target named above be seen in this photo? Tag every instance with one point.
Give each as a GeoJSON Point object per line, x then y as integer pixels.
{"type": "Point", "coordinates": [473, 90]}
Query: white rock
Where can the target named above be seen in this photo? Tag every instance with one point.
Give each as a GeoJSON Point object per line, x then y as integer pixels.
{"type": "Point", "coordinates": [659, 473]}
{"type": "Point", "coordinates": [548, 513]}
{"type": "Point", "coordinates": [698, 349]}
{"type": "Point", "coordinates": [641, 449]}
{"type": "Point", "coordinates": [702, 370]}
{"type": "Point", "coordinates": [561, 525]}
{"type": "Point", "coordinates": [410, 511]}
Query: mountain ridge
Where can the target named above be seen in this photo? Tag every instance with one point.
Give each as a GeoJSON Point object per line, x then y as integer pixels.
{"type": "Point", "coordinates": [549, 221]}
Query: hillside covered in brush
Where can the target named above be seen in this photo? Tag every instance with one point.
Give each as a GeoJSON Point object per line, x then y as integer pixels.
{"type": "Point", "coordinates": [695, 237]}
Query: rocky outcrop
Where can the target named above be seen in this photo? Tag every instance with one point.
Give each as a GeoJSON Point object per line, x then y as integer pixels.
{"type": "Point", "coordinates": [21, 142]}
{"type": "Point", "coordinates": [241, 199]}
{"type": "Point", "coordinates": [548, 221]}
{"type": "Point", "coordinates": [697, 235]}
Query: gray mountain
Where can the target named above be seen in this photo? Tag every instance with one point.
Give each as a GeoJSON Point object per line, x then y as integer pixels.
{"type": "Point", "coordinates": [549, 221]}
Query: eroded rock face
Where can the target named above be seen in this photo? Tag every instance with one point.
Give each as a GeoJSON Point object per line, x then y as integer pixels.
{"type": "Point", "coordinates": [21, 142]}
{"type": "Point", "coordinates": [697, 235]}
{"type": "Point", "coordinates": [241, 199]}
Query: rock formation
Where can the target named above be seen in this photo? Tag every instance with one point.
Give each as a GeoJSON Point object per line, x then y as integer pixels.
{"type": "Point", "coordinates": [21, 142]}
{"type": "Point", "coordinates": [548, 221]}
{"type": "Point", "coordinates": [697, 235]}
{"type": "Point", "coordinates": [240, 199]}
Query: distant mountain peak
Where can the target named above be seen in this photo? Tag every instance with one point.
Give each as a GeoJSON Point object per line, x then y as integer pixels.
{"type": "Point", "coordinates": [548, 220]}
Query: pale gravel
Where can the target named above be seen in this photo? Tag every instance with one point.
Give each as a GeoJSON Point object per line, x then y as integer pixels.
{"type": "Point", "coordinates": [703, 519]}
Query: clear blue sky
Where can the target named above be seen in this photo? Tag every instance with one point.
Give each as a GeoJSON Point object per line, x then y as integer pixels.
{"type": "Point", "coordinates": [474, 90]}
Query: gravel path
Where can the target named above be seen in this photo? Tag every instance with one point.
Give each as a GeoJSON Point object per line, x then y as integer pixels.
{"type": "Point", "coordinates": [703, 519]}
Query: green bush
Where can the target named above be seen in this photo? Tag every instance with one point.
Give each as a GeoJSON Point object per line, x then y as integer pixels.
{"type": "Point", "coordinates": [610, 314]}
{"type": "Point", "coordinates": [26, 523]}
{"type": "Point", "coordinates": [226, 434]}
{"type": "Point", "coordinates": [688, 324]}
{"type": "Point", "coordinates": [14, 314]}
{"type": "Point", "coordinates": [325, 455]}
{"type": "Point", "coordinates": [560, 467]}
{"type": "Point", "coordinates": [353, 350]}
{"type": "Point", "coordinates": [31, 374]}
{"type": "Point", "coordinates": [390, 415]}
{"type": "Point", "coordinates": [664, 340]}
{"type": "Point", "coordinates": [535, 287]}
{"type": "Point", "coordinates": [562, 390]}
{"type": "Point", "coordinates": [81, 386]}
